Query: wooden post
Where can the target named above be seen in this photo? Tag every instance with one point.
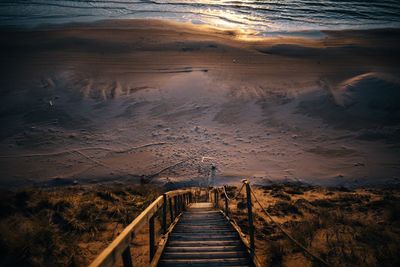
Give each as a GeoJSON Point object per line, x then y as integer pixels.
{"type": "Point", "coordinates": [176, 205]}
{"type": "Point", "coordinates": [151, 237]}
{"type": "Point", "coordinates": [216, 198]}
{"type": "Point", "coordinates": [226, 204]}
{"type": "Point", "coordinates": [126, 257]}
{"type": "Point", "coordinates": [164, 214]}
{"type": "Point", "coordinates": [171, 211]}
{"type": "Point", "coordinates": [250, 218]}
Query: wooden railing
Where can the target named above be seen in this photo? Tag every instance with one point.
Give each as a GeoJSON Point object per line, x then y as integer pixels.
{"type": "Point", "coordinates": [173, 202]}
{"type": "Point", "coordinates": [214, 196]}
{"type": "Point", "coordinates": [216, 192]}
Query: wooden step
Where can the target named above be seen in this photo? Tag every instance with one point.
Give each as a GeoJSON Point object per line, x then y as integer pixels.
{"type": "Point", "coordinates": [204, 243]}
{"type": "Point", "coordinates": [203, 227]}
{"type": "Point", "coordinates": [202, 211]}
{"type": "Point", "coordinates": [203, 218]}
{"type": "Point", "coordinates": [200, 223]}
{"type": "Point", "coordinates": [205, 262]}
{"type": "Point", "coordinates": [201, 205]}
{"type": "Point", "coordinates": [205, 255]}
{"type": "Point", "coordinates": [204, 237]}
{"type": "Point", "coordinates": [204, 232]}
{"type": "Point", "coordinates": [200, 219]}
{"type": "Point", "coordinates": [204, 248]}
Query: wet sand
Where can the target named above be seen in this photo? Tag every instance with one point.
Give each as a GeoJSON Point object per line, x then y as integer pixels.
{"type": "Point", "coordinates": [148, 100]}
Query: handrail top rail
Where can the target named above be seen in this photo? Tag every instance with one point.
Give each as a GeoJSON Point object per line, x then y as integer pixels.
{"type": "Point", "coordinates": [180, 191]}
{"type": "Point", "coordinates": [110, 254]}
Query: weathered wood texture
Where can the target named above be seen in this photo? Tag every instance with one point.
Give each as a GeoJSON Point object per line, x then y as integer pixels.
{"type": "Point", "coordinates": [203, 237]}
{"type": "Point", "coordinates": [120, 246]}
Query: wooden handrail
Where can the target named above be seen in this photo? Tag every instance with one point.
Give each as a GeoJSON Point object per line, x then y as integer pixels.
{"type": "Point", "coordinates": [214, 195]}
{"type": "Point", "coordinates": [120, 247]}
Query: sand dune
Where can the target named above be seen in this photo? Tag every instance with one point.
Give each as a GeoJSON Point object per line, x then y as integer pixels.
{"type": "Point", "coordinates": [375, 91]}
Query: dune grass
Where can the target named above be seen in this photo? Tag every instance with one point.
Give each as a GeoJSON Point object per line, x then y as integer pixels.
{"type": "Point", "coordinates": [66, 226]}
{"type": "Point", "coordinates": [345, 227]}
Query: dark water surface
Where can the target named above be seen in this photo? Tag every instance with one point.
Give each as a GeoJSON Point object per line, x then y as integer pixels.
{"type": "Point", "coordinates": [262, 17]}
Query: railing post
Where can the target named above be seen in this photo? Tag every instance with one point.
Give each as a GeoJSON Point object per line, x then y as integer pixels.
{"type": "Point", "coordinates": [185, 197]}
{"type": "Point", "coordinates": [126, 257]}
{"type": "Point", "coordinates": [215, 199]}
{"type": "Point", "coordinates": [176, 205]}
{"type": "Point", "coordinates": [171, 211]}
{"type": "Point", "coordinates": [250, 218]}
{"type": "Point", "coordinates": [151, 237]}
{"type": "Point", "coordinates": [164, 213]}
{"type": "Point", "coordinates": [226, 203]}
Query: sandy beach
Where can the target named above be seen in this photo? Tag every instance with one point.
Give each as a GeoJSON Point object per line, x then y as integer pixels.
{"type": "Point", "coordinates": [157, 101]}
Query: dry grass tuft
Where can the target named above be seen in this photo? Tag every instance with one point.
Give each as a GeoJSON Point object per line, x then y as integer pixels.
{"type": "Point", "coordinates": [58, 226]}
{"type": "Point", "coordinates": [345, 227]}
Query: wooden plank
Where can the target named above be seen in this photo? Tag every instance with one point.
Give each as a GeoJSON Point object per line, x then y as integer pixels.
{"type": "Point", "coordinates": [202, 227]}
{"type": "Point", "coordinates": [203, 243]}
{"type": "Point", "coordinates": [204, 238]}
{"type": "Point", "coordinates": [205, 255]}
{"type": "Point", "coordinates": [205, 262]}
{"type": "Point", "coordinates": [204, 248]}
{"type": "Point", "coordinates": [205, 232]}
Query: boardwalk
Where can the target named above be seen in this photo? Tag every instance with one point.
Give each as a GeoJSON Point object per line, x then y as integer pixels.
{"type": "Point", "coordinates": [204, 237]}
{"type": "Point", "coordinates": [195, 233]}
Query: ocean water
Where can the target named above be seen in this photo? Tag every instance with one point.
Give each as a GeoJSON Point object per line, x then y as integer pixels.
{"type": "Point", "coordinates": [256, 16]}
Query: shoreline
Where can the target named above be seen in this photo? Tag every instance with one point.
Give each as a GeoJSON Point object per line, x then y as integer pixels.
{"type": "Point", "coordinates": [132, 23]}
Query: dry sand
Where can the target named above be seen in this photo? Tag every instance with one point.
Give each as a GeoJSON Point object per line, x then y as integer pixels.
{"type": "Point", "coordinates": [146, 100]}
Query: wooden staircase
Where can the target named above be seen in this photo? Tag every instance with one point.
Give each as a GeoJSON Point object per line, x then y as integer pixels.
{"type": "Point", "coordinates": [194, 233]}
{"type": "Point", "coordinates": [204, 237]}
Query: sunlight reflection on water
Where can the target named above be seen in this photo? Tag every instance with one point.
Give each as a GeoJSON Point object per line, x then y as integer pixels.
{"type": "Point", "coordinates": [257, 16]}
